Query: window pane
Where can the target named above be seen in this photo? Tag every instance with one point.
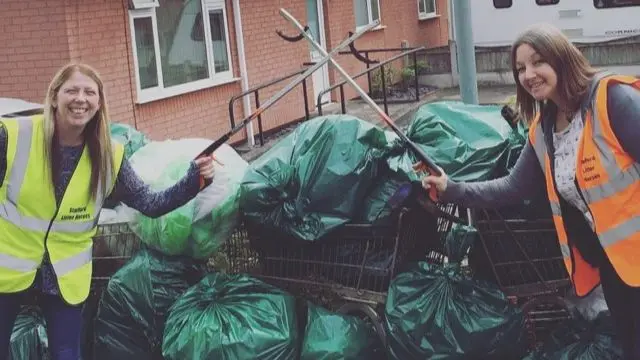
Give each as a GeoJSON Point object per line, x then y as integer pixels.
{"type": "Point", "coordinates": [145, 50]}
{"type": "Point", "coordinates": [375, 10]}
{"type": "Point", "coordinates": [604, 4]}
{"type": "Point", "coordinates": [431, 6]}
{"type": "Point", "coordinates": [182, 42]}
{"type": "Point", "coordinates": [502, 4]}
{"type": "Point", "coordinates": [421, 6]}
{"type": "Point", "coordinates": [312, 19]}
{"type": "Point", "coordinates": [219, 39]}
{"type": "Point", "coordinates": [362, 14]}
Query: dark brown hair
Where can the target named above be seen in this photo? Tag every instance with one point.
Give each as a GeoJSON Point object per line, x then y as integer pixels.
{"type": "Point", "coordinates": [572, 69]}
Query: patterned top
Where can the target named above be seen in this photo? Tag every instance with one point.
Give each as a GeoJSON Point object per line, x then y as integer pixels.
{"type": "Point", "coordinates": [129, 189]}
{"type": "Point", "coordinates": [566, 149]}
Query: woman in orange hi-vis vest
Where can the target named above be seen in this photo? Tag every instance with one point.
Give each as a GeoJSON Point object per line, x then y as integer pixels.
{"type": "Point", "coordinates": [584, 151]}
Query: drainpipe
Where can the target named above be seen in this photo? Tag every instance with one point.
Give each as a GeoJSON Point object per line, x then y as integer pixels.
{"type": "Point", "coordinates": [244, 76]}
{"type": "Point", "coordinates": [452, 46]}
{"type": "Point", "coordinates": [465, 51]}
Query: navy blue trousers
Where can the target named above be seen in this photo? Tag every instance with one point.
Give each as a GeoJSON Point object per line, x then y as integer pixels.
{"type": "Point", "coordinates": [64, 324]}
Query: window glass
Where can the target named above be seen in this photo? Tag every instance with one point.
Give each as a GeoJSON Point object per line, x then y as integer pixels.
{"type": "Point", "coordinates": [219, 39]}
{"type": "Point", "coordinates": [182, 43]}
{"type": "Point", "coordinates": [502, 4]}
{"type": "Point", "coordinates": [145, 49]}
{"type": "Point", "coordinates": [607, 4]}
{"type": "Point", "coordinates": [366, 11]}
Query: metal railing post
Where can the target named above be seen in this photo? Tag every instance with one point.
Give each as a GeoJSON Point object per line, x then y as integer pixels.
{"type": "Point", "coordinates": [257, 97]}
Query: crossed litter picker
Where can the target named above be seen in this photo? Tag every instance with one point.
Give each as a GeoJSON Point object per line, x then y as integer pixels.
{"type": "Point", "coordinates": [429, 203]}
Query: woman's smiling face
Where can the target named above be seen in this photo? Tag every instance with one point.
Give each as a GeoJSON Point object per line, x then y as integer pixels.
{"type": "Point", "coordinates": [77, 101]}
{"type": "Point", "coordinates": [535, 75]}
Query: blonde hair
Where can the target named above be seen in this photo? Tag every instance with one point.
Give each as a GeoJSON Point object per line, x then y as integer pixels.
{"type": "Point", "coordinates": [572, 68]}
{"type": "Point", "coordinates": [97, 135]}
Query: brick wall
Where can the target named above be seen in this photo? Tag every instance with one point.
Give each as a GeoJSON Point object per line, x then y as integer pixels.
{"type": "Point", "coordinates": [33, 45]}
{"type": "Point", "coordinates": [37, 40]}
{"type": "Point", "coordinates": [269, 56]}
{"type": "Point", "coordinates": [202, 113]}
{"type": "Point", "coordinates": [399, 20]}
{"type": "Point", "coordinates": [96, 36]}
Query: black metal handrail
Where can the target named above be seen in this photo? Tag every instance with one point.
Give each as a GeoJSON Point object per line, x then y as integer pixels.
{"type": "Point", "coordinates": [255, 90]}
{"type": "Point", "coordinates": [368, 70]}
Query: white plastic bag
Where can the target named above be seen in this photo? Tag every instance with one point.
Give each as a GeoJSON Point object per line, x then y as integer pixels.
{"type": "Point", "coordinates": [228, 172]}
{"type": "Point", "coordinates": [590, 306]}
{"type": "Point", "coordinates": [199, 227]}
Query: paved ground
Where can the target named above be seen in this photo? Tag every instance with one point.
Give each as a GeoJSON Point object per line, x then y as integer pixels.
{"type": "Point", "coordinates": [402, 113]}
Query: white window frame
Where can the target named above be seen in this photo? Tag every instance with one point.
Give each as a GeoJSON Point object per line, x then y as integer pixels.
{"type": "Point", "coordinates": [369, 14]}
{"type": "Point", "coordinates": [427, 15]}
{"type": "Point", "coordinates": [143, 4]}
{"type": "Point", "coordinates": [214, 79]}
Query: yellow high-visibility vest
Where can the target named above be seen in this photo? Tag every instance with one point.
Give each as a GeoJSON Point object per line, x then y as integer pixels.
{"type": "Point", "coordinates": [31, 220]}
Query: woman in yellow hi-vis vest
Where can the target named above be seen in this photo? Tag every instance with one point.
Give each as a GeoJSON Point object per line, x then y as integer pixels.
{"type": "Point", "coordinates": [60, 167]}
{"type": "Point", "coordinates": [583, 153]}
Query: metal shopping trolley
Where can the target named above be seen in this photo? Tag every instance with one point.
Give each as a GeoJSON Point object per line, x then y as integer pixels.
{"type": "Point", "coordinates": [354, 263]}
{"type": "Point", "coordinates": [113, 245]}
{"type": "Point", "coordinates": [349, 270]}
{"type": "Point", "coordinates": [520, 252]}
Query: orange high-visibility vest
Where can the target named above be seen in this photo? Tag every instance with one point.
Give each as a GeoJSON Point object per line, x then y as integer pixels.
{"type": "Point", "coordinates": [609, 181]}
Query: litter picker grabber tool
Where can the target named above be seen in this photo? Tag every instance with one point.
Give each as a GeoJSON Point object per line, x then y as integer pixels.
{"type": "Point", "coordinates": [428, 204]}
{"type": "Point", "coordinates": [290, 86]}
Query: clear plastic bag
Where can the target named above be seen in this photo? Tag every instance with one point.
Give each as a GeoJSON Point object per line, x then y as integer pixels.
{"type": "Point", "coordinates": [200, 226]}
{"type": "Point", "coordinates": [589, 307]}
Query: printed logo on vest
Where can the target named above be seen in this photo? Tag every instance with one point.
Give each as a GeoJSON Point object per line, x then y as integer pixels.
{"type": "Point", "coordinates": [589, 171]}
{"type": "Point", "coordinates": [76, 213]}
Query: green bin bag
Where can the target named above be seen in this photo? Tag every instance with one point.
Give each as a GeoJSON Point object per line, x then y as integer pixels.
{"type": "Point", "coordinates": [232, 317]}
{"type": "Point", "coordinates": [29, 336]}
{"type": "Point", "coordinates": [469, 142]}
{"type": "Point", "coordinates": [314, 179]}
{"type": "Point", "coordinates": [334, 336]}
{"type": "Point", "coordinates": [436, 311]}
{"type": "Point", "coordinates": [128, 136]}
{"type": "Point", "coordinates": [131, 314]}
{"type": "Point", "coordinates": [376, 208]}
{"type": "Point", "coordinates": [578, 338]}
{"type": "Point", "coordinates": [199, 227]}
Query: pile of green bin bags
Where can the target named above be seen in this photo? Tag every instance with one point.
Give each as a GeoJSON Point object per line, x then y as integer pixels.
{"type": "Point", "coordinates": [469, 142]}
{"type": "Point", "coordinates": [132, 140]}
{"type": "Point", "coordinates": [132, 311]}
{"type": "Point", "coordinates": [579, 338]}
{"type": "Point", "coordinates": [333, 336]}
{"type": "Point", "coordinates": [314, 179]}
{"type": "Point", "coordinates": [199, 227]}
{"type": "Point", "coordinates": [337, 169]}
{"type": "Point", "coordinates": [128, 136]}
{"type": "Point", "coordinates": [29, 336]}
{"type": "Point", "coordinates": [238, 317]}
{"type": "Point", "coordinates": [437, 311]}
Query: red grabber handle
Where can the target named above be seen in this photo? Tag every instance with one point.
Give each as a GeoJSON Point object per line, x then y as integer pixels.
{"type": "Point", "coordinates": [433, 192]}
